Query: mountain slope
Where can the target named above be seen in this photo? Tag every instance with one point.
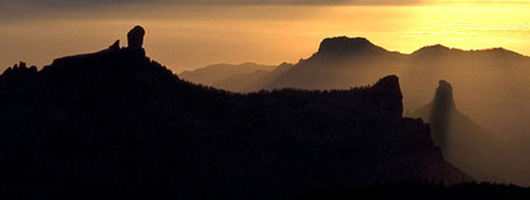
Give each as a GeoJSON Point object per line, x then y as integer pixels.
{"type": "Point", "coordinates": [343, 62]}
{"type": "Point", "coordinates": [491, 85]}
{"type": "Point", "coordinates": [469, 146]}
{"type": "Point", "coordinates": [339, 63]}
{"type": "Point", "coordinates": [115, 124]}
{"type": "Point", "coordinates": [212, 74]}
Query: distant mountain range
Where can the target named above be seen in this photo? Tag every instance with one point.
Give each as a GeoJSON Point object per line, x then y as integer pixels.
{"type": "Point", "coordinates": [347, 62]}
{"type": "Point", "coordinates": [343, 62]}
{"type": "Point", "coordinates": [214, 74]}
{"type": "Point", "coordinates": [117, 125]}
{"type": "Point", "coordinates": [491, 86]}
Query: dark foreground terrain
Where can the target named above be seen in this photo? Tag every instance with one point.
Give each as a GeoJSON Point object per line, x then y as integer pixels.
{"type": "Point", "coordinates": [468, 191]}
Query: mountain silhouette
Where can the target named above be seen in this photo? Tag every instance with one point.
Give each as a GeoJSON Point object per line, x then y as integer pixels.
{"type": "Point", "coordinates": [340, 46]}
{"type": "Point", "coordinates": [115, 124]}
{"type": "Point", "coordinates": [464, 143]}
{"type": "Point", "coordinates": [441, 109]}
{"type": "Point", "coordinates": [492, 84]}
{"type": "Point", "coordinates": [343, 62]}
{"type": "Point", "coordinates": [435, 50]}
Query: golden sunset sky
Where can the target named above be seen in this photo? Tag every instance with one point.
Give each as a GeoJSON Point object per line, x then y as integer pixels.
{"type": "Point", "coordinates": [185, 34]}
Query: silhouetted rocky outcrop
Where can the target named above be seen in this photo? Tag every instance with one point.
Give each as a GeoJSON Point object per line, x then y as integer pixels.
{"type": "Point", "coordinates": [135, 37]}
{"type": "Point", "coordinates": [115, 45]}
{"type": "Point", "coordinates": [19, 83]}
{"type": "Point", "coordinates": [115, 125]}
{"type": "Point", "coordinates": [442, 109]}
{"type": "Point", "coordinates": [390, 99]}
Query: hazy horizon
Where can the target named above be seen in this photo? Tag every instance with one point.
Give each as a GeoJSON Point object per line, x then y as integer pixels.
{"type": "Point", "coordinates": [187, 36]}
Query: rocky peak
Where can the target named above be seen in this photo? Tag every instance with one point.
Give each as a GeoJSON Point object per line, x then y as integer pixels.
{"type": "Point", "coordinates": [17, 80]}
{"type": "Point", "coordinates": [113, 56]}
{"type": "Point", "coordinates": [442, 108]}
{"type": "Point", "coordinates": [344, 45]}
{"type": "Point", "coordinates": [388, 93]}
{"type": "Point", "coordinates": [20, 68]}
{"type": "Point", "coordinates": [135, 37]}
{"type": "Point", "coordinates": [115, 46]}
{"type": "Point", "coordinates": [443, 98]}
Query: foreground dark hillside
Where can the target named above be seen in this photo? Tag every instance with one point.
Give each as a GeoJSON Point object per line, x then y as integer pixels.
{"type": "Point", "coordinates": [115, 124]}
{"type": "Point", "coordinates": [467, 191]}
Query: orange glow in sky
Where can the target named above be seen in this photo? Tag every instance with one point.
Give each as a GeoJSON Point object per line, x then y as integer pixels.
{"type": "Point", "coordinates": [192, 36]}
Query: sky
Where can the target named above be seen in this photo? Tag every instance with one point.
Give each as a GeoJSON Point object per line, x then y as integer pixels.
{"type": "Point", "coordinates": [188, 34]}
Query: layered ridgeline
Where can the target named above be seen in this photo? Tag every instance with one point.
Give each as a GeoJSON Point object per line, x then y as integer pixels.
{"type": "Point", "coordinates": [115, 124]}
{"type": "Point", "coordinates": [217, 74]}
{"type": "Point", "coordinates": [491, 86]}
{"type": "Point", "coordinates": [342, 62]}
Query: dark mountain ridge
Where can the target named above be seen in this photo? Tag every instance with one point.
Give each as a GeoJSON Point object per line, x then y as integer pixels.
{"type": "Point", "coordinates": [115, 124]}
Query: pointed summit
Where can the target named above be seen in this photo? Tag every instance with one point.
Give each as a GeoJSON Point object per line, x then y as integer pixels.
{"type": "Point", "coordinates": [439, 113]}
{"type": "Point", "coordinates": [344, 46]}
{"type": "Point", "coordinates": [442, 109]}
